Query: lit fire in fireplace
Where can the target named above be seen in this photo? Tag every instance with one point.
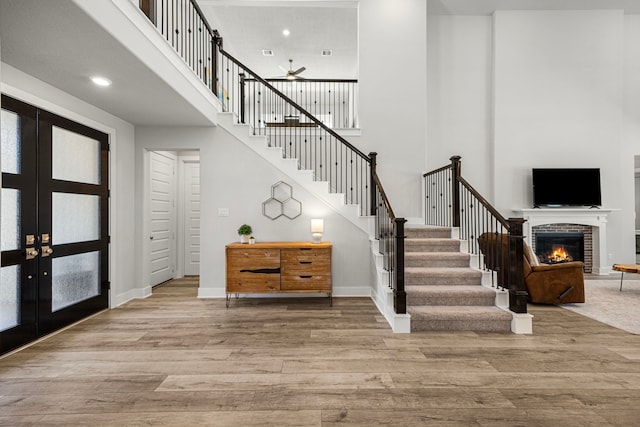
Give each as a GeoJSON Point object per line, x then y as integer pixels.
{"type": "Point", "coordinates": [559, 254]}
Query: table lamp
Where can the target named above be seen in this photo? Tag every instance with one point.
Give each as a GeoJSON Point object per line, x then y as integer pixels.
{"type": "Point", "coordinates": [317, 228]}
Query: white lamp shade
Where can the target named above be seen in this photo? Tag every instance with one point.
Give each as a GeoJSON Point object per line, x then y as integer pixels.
{"type": "Point", "coordinates": [317, 226]}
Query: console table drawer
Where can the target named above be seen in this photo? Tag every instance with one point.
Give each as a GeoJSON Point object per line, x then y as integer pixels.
{"type": "Point", "coordinates": [306, 262]}
{"type": "Point", "coordinates": [306, 282]}
{"type": "Point", "coordinates": [253, 258]}
{"type": "Point", "coordinates": [253, 270]}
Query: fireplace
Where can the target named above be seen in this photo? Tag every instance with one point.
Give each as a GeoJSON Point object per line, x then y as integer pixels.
{"type": "Point", "coordinates": [591, 222]}
{"type": "Point", "coordinates": [554, 248]}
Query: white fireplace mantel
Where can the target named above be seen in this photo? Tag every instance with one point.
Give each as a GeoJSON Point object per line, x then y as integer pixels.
{"type": "Point", "coordinates": [596, 218]}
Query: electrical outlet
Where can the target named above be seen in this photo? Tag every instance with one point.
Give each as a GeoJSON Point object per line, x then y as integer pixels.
{"type": "Point", "coordinates": [223, 211]}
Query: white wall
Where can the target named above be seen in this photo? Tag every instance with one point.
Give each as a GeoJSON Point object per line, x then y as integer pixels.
{"type": "Point", "coordinates": [392, 45]}
{"type": "Point", "coordinates": [563, 90]}
{"type": "Point", "coordinates": [235, 177]}
{"type": "Point", "coordinates": [631, 123]}
{"type": "Point", "coordinates": [558, 103]}
{"type": "Point", "coordinates": [459, 96]}
{"type": "Point", "coordinates": [121, 137]}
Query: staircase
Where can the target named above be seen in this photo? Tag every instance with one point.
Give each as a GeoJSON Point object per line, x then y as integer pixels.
{"type": "Point", "coordinates": [443, 292]}
{"type": "Point", "coordinates": [291, 167]}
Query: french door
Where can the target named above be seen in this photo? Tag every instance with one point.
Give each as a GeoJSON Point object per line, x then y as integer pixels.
{"type": "Point", "coordinates": [54, 219]}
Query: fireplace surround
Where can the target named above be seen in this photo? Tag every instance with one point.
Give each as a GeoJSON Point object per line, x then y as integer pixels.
{"type": "Point", "coordinates": [593, 219]}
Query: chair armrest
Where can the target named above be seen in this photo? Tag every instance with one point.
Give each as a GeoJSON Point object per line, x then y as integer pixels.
{"type": "Point", "coordinates": [557, 267]}
{"type": "Point", "coordinates": [557, 283]}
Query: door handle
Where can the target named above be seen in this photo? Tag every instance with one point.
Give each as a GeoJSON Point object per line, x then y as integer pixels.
{"type": "Point", "coordinates": [32, 253]}
{"type": "Point", "coordinates": [46, 251]}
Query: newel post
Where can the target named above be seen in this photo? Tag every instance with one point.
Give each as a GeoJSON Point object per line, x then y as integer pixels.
{"type": "Point", "coordinates": [517, 289]}
{"type": "Point", "coordinates": [242, 97]}
{"type": "Point", "coordinates": [216, 43]}
{"type": "Point", "coordinates": [372, 183]}
{"type": "Point", "coordinates": [455, 190]}
{"type": "Point", "coordinates": [399, 294]}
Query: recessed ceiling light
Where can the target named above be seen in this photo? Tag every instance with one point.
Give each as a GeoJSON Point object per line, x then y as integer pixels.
{"type": "Point", "coordinates": [101, 81]}
{"type": "Point", "coordinates": [327, 52]}
{"type": "Point", "coordinates": [286, 32]}
{"type": "Point", "coordinates": [267, 52]}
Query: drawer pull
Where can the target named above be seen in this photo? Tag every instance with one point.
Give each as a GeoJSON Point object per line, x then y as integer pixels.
{"type": "Point", "coordinates": [305, 262]}
{"type": "Point", "coordinates": [305, 249]}
{"type": "Point", "coordinates": [306, 277]}
{"type": "Point", "coordinates": [262, 271]}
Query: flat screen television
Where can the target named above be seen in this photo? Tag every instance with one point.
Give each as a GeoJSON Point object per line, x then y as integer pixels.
{"type": "Point", "coordinates": [566, 187]}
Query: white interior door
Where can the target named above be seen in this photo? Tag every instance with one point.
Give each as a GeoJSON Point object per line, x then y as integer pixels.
{"type": "Point", "coordinates": [192, 218]}
{"type": "Point", "coordinates": [163, 216]}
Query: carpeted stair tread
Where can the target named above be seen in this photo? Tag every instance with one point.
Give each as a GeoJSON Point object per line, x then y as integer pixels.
{"type": "Point", "coordinates": [427, 232]}
{"type": "Point", "coordinates": [436, 259]}
{"type": "Point", "coordinates": [431, 245]}
{"type": "Point", "coordinates": [443, 292]}
{"type": "Point", "coordinates": [450, 295]}
{"type": "Point", "coordinates": [457, 318]}
{"type": "Point", "coordinates": [442, 276]}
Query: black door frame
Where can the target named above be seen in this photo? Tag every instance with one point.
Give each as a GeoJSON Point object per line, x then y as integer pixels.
{"type": "Point", "coordinates": [37, 275]}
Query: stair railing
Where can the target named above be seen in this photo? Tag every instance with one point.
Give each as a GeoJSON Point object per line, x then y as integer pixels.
{"type": "Point", "coordinates": [452, 202]}
{"type": "Point", "coordinates": [286, 125]}
{"type": "Point", "coordinates": [299, 134]}
{"type": "Point", "coordinates": [389, 231]}
{"type": "Point", "coordinates": [332, 101]}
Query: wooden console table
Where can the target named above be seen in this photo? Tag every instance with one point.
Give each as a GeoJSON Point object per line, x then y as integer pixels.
{"type": "Point", "coordinates": [278, 267]}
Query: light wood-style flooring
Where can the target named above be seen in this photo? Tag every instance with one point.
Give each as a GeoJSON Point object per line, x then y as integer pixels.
{"type": "Point", "coordinates": [175, 360]}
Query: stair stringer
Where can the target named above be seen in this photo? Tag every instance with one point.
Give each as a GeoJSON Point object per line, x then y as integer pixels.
{"type": "Point", "coordinates": [289, 166]}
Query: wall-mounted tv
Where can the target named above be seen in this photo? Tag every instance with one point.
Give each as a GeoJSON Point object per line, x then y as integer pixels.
{"type": "Point", "coordinates": [566, 187]}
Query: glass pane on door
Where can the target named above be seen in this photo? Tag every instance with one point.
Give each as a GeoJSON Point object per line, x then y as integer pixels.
{"type": "Point", "coordinates": [9, 297]}
{"type": "Point", "coordinates": [10, 220]}
{"type": "Point", "coordinates": [74, 278]}
{"type": "Point", "coordinates": [75, 218]}
{"type": "Point", "coordinates": [10, 142]}
{"type": "Point", "coordinates": [84, 151]}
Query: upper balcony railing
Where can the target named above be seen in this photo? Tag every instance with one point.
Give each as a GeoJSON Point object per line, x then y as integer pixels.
{"type": "Point", "coordinates": [332, 101]}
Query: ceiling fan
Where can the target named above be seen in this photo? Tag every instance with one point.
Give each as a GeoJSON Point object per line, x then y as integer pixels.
{"type": "Point", "coordinates": [291, 73]}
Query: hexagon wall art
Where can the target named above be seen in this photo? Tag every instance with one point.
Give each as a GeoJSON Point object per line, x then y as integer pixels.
{"type": "Point", "coordinates": [281, 202]}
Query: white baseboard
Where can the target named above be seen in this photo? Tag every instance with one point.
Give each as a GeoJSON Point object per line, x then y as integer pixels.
{"type": "Point", "coordinates": [211, 292]}
{"type": "Point", "coordinates": [118, 300]}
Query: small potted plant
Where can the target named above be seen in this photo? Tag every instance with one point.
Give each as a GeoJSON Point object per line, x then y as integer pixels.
{"type": "Point", "coordinates": [244, 231]}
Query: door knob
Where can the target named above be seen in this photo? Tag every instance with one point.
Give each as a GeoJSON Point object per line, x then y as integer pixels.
{"type": "Point", "coordinates": [32, 253]}
{"type": "Point", "coordinates": [46, 251]}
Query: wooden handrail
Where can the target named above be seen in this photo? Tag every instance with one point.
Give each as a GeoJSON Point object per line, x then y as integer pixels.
{"type": "Point", "coordinates": [485, 203]}
{"type": "Point", "coordinates": [385, 199]}
{"type": "Point", "coordinates": [481, 218]}
{"type": "Point", "coordinates": [296, 106]}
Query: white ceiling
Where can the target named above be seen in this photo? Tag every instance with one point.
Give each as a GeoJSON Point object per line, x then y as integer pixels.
{"type": "Point", "coordinates": [246, 31]}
